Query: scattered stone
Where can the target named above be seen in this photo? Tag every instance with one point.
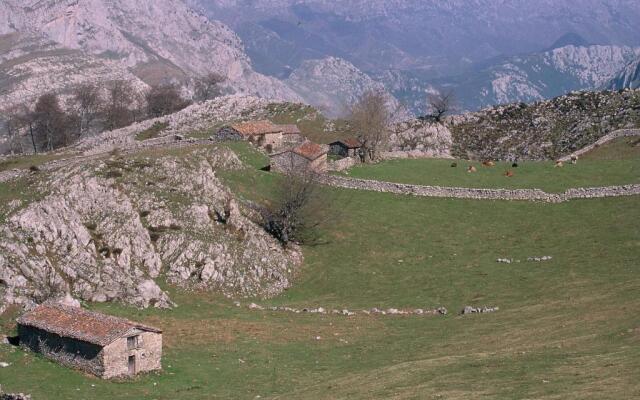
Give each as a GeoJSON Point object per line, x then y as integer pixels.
{"type": "Point", "coordinates": [4, 364]}
{"type": "Point", "coordinates": [254, 306]}
{"type": "Point", "coordinates": [504, 260]}
{"type": "Point", "coordinates": [478, 310]}
{"type": "Point", "coordinates": [539, 259]}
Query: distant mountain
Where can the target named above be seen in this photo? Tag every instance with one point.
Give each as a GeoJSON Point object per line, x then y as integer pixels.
{"type": "Point", "coordinates": [628, 78]}
{"type": "Point", "coordinates": [439, 36]}
{"type": "Point", "coordinates": [150, 40]}
{"type": "Point", "coordinates": [332, 85]}
{"type": "Point", "coordinates": [523, 78]}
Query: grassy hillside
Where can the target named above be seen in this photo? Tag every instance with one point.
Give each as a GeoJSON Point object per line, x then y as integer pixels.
{"type": "Point", "coordinates": [614, 164]}
{"type": "Point", "coordinates": [567, 328]}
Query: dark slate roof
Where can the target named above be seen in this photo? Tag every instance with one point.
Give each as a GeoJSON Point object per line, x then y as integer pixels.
{"type": "Point", "coordinates": [349, 143]}
{"type": "Point", "coordinates": [77, 323]}
{"type": "Point", "coordinates": [256, 128]}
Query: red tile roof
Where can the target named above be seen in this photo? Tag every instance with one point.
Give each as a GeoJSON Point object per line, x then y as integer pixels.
{"type": "Point", "coordinates": [77, 323]}
{"type": "Point", "coordinates": [350, 143]}
{"type": "Point", "coordinates": [256, 128]}
{"type": "Point", "coordinates": [289, 129]}
{"type": "Point", "coordinates": [310, 150]}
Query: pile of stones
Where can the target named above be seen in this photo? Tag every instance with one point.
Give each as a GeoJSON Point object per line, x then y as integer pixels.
{"type": "Point", "coordinates": [478, 310]}
{"type": "Point", "coordinates": [348, 313]}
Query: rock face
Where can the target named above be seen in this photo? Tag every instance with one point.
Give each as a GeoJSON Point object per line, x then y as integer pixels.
{"type": "Point", "coordinates": [544, 130]}
{"type": "Point", "coordinates": [154, 41]}
{"type": "Point", "coordinates": [421, 138]}
{"type": "Point", "coordinates": [109, 229]}
{"type": "Point", "coordinates": [628, 78]}
{"type": "Point", "coordinates": [332, 85]}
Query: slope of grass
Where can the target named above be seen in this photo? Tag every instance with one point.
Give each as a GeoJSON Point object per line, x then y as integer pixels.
{"type": "Point", "coordinates": [589, 172]}
{"type": "Point", "coordinates": [626, 148]}
{"type": "Point", "coordinates": [28, 161]}
{"type": "Point", "coordinates": [567, 328]}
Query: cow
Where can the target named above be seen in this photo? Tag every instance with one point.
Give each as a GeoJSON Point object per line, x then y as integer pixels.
{"type": "Point", "coordinates": [472, 169]}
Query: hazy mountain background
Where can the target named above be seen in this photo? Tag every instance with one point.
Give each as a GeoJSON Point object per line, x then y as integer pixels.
{"type": "Point", "coordinates": [489, 51]}
{"type": "Point", "coordinates": [325, 53]}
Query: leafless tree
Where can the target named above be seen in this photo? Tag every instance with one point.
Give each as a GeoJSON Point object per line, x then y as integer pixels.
{"type": "Point", "coordinates": [298, 209]}
{"type": "Point", "coordinates": [120, 104]}
{"type": "Point", "coordinates": [440, 104]}
{"type": "Point", "coordinates": [164, 99]}
{"type": "Point", "coordinates": [208, 87]}
{"type": "Point", "coordinates": [52, 125]}
{"type": "Point", "coordinates": [14, 125]}
{"type": "Point", "coordinates": [370, 118]}
{"type": "Point", "coordinates": [87, 101]}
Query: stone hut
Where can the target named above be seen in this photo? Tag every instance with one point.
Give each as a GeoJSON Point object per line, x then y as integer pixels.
{"type": "Point", "coordinates": [291, 133]}
{"type": "Point", "coordinates": [345, 148]}
{"type": "Point", "coordinates": [307, 156]}
{"type": "Point", "coordinates": [99, 344]}
{"type": "Point", "coordinates": [260, 133]}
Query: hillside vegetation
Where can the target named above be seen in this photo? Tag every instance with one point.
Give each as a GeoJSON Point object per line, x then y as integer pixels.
{"type": "Point", "coordinates": [566, 327]}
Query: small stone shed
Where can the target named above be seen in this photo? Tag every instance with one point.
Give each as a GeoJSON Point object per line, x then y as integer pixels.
{"type": "Point", "coordinates": [291, 133]}
{"type": "Point", "coordinates": [260, 133]}
{"type": "Point", "coordinates": [99, 344]}
{"type": "Point", "coordinates": [345, 148]}
{"type": "Point", "coordinates": [307, 156]}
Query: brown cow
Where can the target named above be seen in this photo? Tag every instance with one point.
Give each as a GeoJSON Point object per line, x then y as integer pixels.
{"type": "Point", "coordinates": [509, 174]}
{"type": "Point", "coordinates": [559, 164]}
{"type": "Point", "coordinates": [489, 164]}
{"type": "Point", "coordinates": [472, 169]}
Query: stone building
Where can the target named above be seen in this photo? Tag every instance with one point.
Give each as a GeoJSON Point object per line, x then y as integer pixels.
{"type": "Point", "coordinates": [260, 133]}
{"type": "Point", "coordinates": [345, 148]}
{"type": "Point", "coordinates": [291, 133]}
{"type": "Point", "coordinates": [99, 344]}
{"type": "Point", "coordinates": [307, 156]}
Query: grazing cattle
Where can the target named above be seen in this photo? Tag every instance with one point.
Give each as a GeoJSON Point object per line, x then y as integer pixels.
{"type": "Point", "coordinates": [472, 169]}
{"type": "Point", "coordinates": [514, 165]}
{"type": "Point", "coordinates": [559, 164]}
{"type": "Point", "coordinates": [454, 165]}
{"type": "Point", "coordinates": [489, 164]}
{"type": "Point", "coordinates": [574, 159]}
{"type": "Point", "coordinates": [508, 174]}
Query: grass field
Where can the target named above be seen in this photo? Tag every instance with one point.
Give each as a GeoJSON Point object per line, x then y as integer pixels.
{"type": "Point", "coordinates": [568, 328]}
{"type": "Point", "coordinates": [616, 163]}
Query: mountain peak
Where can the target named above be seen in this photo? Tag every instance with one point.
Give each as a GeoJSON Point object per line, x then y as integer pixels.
{"type": "Point", "coordinates": [569, 39]}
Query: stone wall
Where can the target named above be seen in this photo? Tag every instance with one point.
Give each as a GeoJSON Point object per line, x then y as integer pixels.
{"type": "Point", "coordinates": [480, 194]}
{"type": "Point", "coordinates": [605, 139]}
{"type": "Point", "coordinates": [68, 352]}
{"type": "Point", "coordinates": [148, 355]}
{"type": "Point", "coordinates": [342, 164]}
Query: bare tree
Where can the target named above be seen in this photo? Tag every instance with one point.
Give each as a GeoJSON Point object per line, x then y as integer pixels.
{"type": "Point", "coordinates": [14, 126]}
{"type": "Point", "coordinates": [298, 209]}
{"type": "Point", "coordinates": [164, 99]}
{"type": "Point", "coordinates": [208, 87]}
{"type": "Point", "coordinates": [370, 118]}
{"type": "Point", "coordinates": [87, 101]}
{"type": "Point", "coordinates": [440, 104]}
{"type": "Point", "coordinates": [52, 124]}
{"type": "Point", "coordinates": [118, 109]}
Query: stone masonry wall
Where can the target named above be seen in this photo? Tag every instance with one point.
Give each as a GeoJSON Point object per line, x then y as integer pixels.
{"type": "Point", "coordinates": [605, 139]}
{"type": "Point", "coordinates": [148, 355]}
{"type": "Point", "coordinates": [480, 194]}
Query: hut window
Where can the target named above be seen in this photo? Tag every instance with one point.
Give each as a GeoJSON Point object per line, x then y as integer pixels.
{"type": "Point", "coordinates": [132, 342]}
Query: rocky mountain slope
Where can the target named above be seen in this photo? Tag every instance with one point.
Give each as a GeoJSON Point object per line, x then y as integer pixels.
{"type": "Point", "coordinates": [154, 41]}
{"type": "Point", "coordinates": [628, 78]}
{"type": "Point", "coordinates": [543, 130]}
{"type": "Point", "coordinates": [108, 229]}
{"type": "Point", "coordinates": [332, 85]}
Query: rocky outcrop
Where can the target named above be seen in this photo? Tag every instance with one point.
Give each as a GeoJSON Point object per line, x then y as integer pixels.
{"type": "Point", "coordinates": [627, 78]}
{"type": "Point", "coordinates": [109, 229]}
{"type": "Point", "coordinates": [420, 138]}
{"type": "Point", "coordinates": [545, 130]}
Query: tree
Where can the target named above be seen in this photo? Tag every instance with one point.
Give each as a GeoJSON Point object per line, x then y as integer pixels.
{"type": "Point", "coordinates": [118, 110]}
{"type": "Point", "coordinates": [87, 101]}
{"type": "Point", "coordinates": [52, 124]}
{"type": "Point", "coordinates": [370, 118]}
{"type": "Point", "coordinates": [298, 209]}
{"type": "Point", "coordinates": [14, 124]}
{"type": "Point", "coordinates": [164, 99]}
{"type": "Point", "coordinates": [208, 87]}
{"type": "Point", "coordinates": [440, 104]}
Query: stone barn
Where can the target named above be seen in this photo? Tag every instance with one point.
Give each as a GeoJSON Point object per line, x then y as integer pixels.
{"type": "Point", "coordinates": [345, 148]}
{"type": "Point", "coordinates": [260, 133]}
{"type": "Point", "coordinates": [99, 344]}
{"type": "Point", "coordinates": [291, 133]}
{"type": "Point", "coordinates": [308, 156]}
